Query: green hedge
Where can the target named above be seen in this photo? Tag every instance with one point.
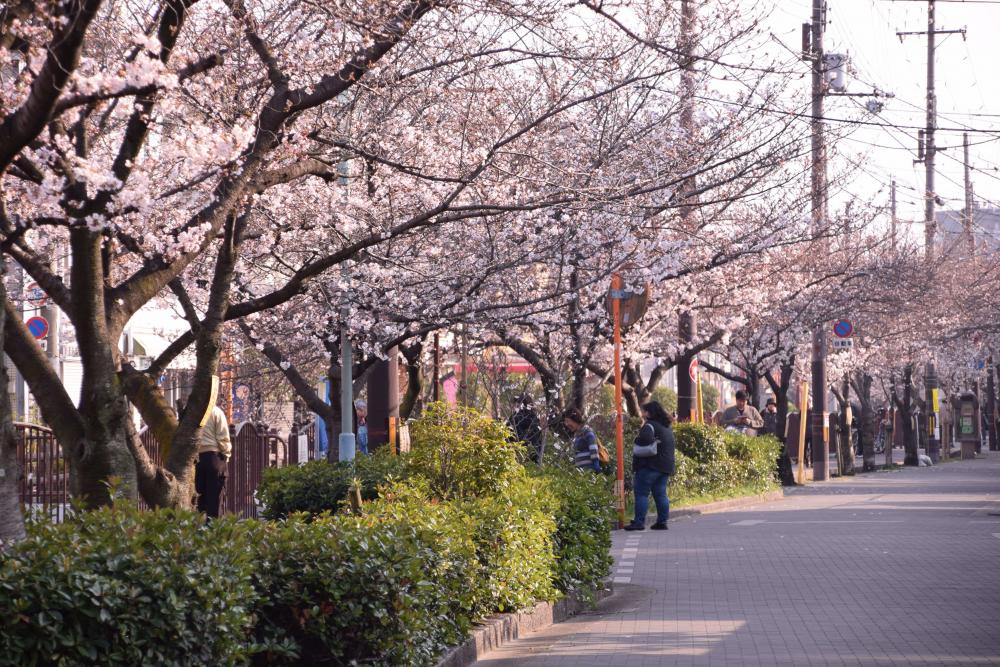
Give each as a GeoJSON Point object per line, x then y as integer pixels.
{"type": "Point", "coordinates": [586, 507]}
{"type": "Point", "coordinates": [320, 486]}
{"type": "Point", "coordinates": [120, 587]}
{"type": "Point", "coordinates": [713, 462]}
{"type": "Point", "coordinates": [394, 585]}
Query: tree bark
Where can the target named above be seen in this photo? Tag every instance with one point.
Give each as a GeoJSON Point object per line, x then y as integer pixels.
{"type": "Point", "coordinates": [862, 385]}
{"type": "Point", "coordinates": [11, 520]}
{"type": "Point", "coordinates": [844, 444]}
{"type": "Point", "coordinates": [414, 377]}
{"type": "Point", "coordinates": [780, 389]}
{"type": "Point", "coordinates": [905, 406]}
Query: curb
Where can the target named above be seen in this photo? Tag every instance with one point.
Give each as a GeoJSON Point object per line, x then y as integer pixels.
{"type": "Point", "coordinates": [497, 630]}
{"type": "Point", "coordinates": [724, 505]}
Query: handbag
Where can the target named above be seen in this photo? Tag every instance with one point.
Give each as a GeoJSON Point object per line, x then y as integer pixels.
{"type": "Point", "coordinates": [645, 451]}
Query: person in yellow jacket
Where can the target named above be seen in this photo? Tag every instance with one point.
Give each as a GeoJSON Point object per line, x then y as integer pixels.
{"type": "Point", "coordinates": [214, 450]}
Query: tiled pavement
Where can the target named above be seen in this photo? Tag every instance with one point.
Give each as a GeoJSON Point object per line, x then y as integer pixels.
{"type": "Point", "coordinates": [897, 568]}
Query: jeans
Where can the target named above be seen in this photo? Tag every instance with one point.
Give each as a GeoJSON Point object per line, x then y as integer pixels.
{"type": "Point", "coordinates": [646, 480]}
{"type": "Point", "coordinates": [362, 439]}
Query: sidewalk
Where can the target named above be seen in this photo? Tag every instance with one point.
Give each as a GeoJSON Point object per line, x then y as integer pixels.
{"type": "Point", "coordinates": [895, 568]}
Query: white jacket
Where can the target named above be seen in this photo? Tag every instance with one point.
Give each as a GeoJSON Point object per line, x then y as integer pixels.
{"type": "Point", "coordinates": [215, 435]}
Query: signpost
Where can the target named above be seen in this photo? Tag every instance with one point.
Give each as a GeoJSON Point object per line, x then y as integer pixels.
{"type": "Point", "coordinates": [35, 295]}
{"type": "Point", "coordinates": [803, 406]}
{"type": "Point", "coordinates": [626, 308]}
{"type": "Point", "coordinates": [38, 326]}
{"type": "Point", "coordinates": [843, 330]}
{"type": "Point", "coordinates": [616, 299]}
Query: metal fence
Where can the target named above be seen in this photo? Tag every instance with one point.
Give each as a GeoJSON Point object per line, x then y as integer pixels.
{"type": "Point", "coordinates": [43, 481]}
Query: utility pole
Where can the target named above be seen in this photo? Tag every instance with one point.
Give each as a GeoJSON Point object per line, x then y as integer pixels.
{"type": "Point", "coordinates": [930, 224]}
{"type": "Point", "coordinates": [969, 213]}
{"type": "Point", "coordinates": [813, 52]}
{"type": "Point", "coordinates": [436, 390]}
{"type": "Point", "coordinates": [892, 204]}
{"type": "Point", "coordinates": [687, 390]}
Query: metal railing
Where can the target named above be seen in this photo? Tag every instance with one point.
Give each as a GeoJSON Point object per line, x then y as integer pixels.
{"type": "Point", "coordinates": [43, 475]}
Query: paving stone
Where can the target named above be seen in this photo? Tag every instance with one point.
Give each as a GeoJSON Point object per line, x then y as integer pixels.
{"type": "Point", "coordinates": [885, 569]}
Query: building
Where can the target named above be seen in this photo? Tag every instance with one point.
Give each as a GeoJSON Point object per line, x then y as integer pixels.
{"type": "Point", "coordinates": [985, 228]}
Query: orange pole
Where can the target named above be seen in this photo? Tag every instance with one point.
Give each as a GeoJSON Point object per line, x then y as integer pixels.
{"type": "Point", "coordinates": [616, 304]}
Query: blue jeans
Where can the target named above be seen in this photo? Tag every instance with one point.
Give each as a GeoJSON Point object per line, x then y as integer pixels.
{"type": "Point", "coordinates": [362, 440]}
{"type": "Point", "coordinates": [646, 480]}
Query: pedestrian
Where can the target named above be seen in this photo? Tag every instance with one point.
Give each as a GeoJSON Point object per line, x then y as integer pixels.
{"type": "Point", "coordinates": [742, 417]}
{"type": "Point", "coordinates": [652, 465]}
{"type": "Point", "coordinates": [214, 450]}
{"type": "Point", "coordinates": [770, 417]}
{"type": "Point", "coordinates": [361, 413]}
{"type": "Point", "coordinates": [585, 451]}
{"type": "Point", "coordinates": [527, 428]}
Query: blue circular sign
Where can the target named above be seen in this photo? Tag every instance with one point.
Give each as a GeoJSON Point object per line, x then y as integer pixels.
{"type": "Point", "coordinates": [843, 328]}
{"type": "Point", "coordinates": [38, 326]}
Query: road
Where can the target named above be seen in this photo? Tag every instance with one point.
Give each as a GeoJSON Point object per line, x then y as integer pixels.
{"type": "Point", "coordinates": [893, 568]}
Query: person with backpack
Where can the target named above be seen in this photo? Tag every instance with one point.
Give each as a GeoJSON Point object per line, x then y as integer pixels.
{"type": "Point", "coordinates": [586, 452]}
{"type": "Point", "coordinates": [652, 465]}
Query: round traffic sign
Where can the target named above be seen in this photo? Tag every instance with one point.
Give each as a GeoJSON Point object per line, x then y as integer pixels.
{"type": "Point", "coordinates": [35, 295]}
{"type": "Point", "coordinates": [38, 326]}
{"type": "Point", "coordinates": [843, 328]}
{"type": "Point", "coordinates": [693, 370]}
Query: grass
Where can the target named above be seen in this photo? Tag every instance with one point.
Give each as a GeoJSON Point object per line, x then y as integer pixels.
{"type": "Point", "coordinates": [687, 501]}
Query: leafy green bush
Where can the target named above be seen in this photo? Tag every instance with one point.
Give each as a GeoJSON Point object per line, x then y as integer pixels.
{"type": "Point", "coordinates": [463, 453]}
{"type": "Point", "coordinates": [467, 534]}
{"type": "Point", "coordinates": [514, 535]}
{"type": "Point", "coordinates": [320, 486]}
{"type": "Point", "coordinates": [713, 462]}
{"type": "Point", "coordinates": [393, 587]}
{"type": "Point", "coordinates": [584, 515]}
{"type": "Point", "coordinates": [121, 587]}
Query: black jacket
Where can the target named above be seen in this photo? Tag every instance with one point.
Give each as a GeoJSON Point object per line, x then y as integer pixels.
{"type": "Point", "coordinates": [526, 427]}
{"type": "Point", "coordinates": [664, 459]}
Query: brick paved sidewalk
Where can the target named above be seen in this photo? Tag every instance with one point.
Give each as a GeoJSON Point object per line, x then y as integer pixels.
{"type": "Point", "coordinates": [898, 568]}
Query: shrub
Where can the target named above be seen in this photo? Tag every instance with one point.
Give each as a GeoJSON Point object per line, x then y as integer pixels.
{"type": "Point", "coordinates": [514, 535]}
{"type": "Point", "coordinates": [713, 462]}
{"type": "Point", "coordinates": [392, 587]}
{"type": "Point", "coordinates": [463, 453]}
{"type": "Point", "coordinates": [584, 514]}
{"type": "Point", "coordinates": [121, 587]}
{"type": "Point", "coordinates": [320, 486]}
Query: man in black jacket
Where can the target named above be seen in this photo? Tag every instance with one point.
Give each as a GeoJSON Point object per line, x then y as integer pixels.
{"type": "Point", "coordinates": [526, 427]}
{"type": "Point", "coordinates": [652, 465]}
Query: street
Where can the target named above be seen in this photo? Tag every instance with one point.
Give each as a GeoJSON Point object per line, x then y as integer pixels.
{"type": "Point", "coordinates": [899, 568]}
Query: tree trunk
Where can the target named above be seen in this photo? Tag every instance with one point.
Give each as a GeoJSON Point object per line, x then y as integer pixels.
{"type": "Point", "coordinates": [910, 445]}
{"type": "Point", "coordinates": [862, 384]}
{"type": "Point", "coordinates": [845, 442]}
{"type": "Point", "coordinates": [11, 520]}
{"type": "Point", "coordinates": [103, 455]}
{"type": "Point", "coordinates": [780, 389]}
{"type": "Point", "coordinates": [414, 378]}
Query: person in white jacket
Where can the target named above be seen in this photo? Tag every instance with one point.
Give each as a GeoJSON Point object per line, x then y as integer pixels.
{"type": "Point", "coordinates": [214, 450]}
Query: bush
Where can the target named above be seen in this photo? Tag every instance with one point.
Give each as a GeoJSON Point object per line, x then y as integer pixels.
{"type": "Point", "coordinates": [119, 587]}
{"type": "Point", "coordinates": [393, 587]}
{"type": "Point", "coordinates": [514, 535]}
{"type": "Point", "coordinates": [713, 462]}
{"type": "Point", "coordinates": [584, 514]}
{"type": "Point", "coordinates": [463, 453]}
{"type": "Point", "coordinates": [319, 486]}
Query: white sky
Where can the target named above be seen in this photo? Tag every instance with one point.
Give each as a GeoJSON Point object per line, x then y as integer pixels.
{"type": "Point", "coordinates": [966, 84]}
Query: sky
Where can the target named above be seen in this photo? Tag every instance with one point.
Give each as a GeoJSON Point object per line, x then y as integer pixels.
{"type": "Point", "coordinates": [968, 93]}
